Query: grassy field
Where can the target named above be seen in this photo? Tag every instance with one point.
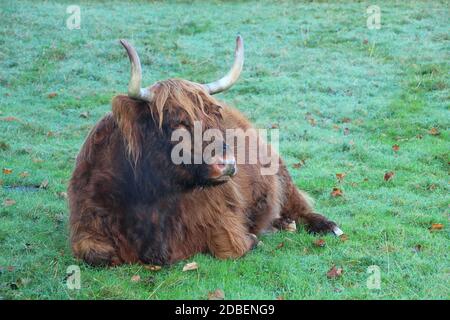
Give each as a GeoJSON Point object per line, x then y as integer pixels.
{"type": "Point", "coordinates": [341, 94]}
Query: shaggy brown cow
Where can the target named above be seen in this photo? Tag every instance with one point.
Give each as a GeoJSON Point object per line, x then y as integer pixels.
{"type": "Point", "coordinates": [129, 203]}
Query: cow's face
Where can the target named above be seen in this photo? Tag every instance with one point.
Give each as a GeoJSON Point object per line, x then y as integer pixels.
{"type": "Point", "coordinates": [167, 137]}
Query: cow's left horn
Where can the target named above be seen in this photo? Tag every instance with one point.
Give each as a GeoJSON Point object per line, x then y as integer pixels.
{"type": "Point", "coordinates": [134, 86]}
{"type": "Point", "coordinates": [232, 76]}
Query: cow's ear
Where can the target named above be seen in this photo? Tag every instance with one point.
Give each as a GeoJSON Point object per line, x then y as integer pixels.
{"type": "Point", "coordinates": [127, 112]}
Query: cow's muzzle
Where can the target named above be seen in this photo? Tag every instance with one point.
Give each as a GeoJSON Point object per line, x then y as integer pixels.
{"type": "Point", "coordinates": [223, 168]}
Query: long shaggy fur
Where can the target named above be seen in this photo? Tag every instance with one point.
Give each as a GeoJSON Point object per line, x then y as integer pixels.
{"type": "Point", "coordinates": [130, 204]}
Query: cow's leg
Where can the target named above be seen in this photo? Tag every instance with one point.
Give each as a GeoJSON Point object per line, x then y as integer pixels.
{"type": "Point", "coordinates": [297, 207]}
{"type": "Point", "coordinates": [95, 249]}
{"type": "Point", "coordinates": [230, 238]}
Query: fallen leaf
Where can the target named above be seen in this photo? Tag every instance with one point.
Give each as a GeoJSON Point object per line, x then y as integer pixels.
{"type": "Point", "coordinates": [434, 132]}
{"type": "Point", "coordinates": [346, 120]}
{"type": "Point", "coordinates": [280, 245]}
{"type": "Point", "coordinates": [10, 119]}
{"type": "Point", "coordinates": [190, 266]}
{"type": "Point", "coordinates": [388, 175]}
{"type": "Point", "coordinates": [340, 176]}
{"type": "Point", "coordinates": [334, 272]}
{"type": "Point", "coordinates": [298, 164]}
{"type": "Point", "coordinates": [84, 115]}
{"type": "Point", "coordinates": [436, 227]}
{"type": "Point", "coordinates": [312, 121]}
{"type": "Point", "coordinates": [152, 268]}
{"type": "Point", "coordinates": [51, 95]}
{"type": "Point", "coordinates": [291, 227]}
{"type": "Point", "coordinates": [7, 171]}
{"type": "Point", "coordinates": [218, 294]}
{"type": "Point", "coordinates": [280, 298]}
{"type": "Point", "coordinates": [319, 243]}
{"type": "Point", "coordinates": [337, 192]}
{"type": "Point", "coordinates": [37, 160]}
{"type": "Point", "coordinates": [44, 184]}
{"type": "Point", "coordinates": [395, 147]}
{"type": "Point", "coordinates": [50, 134]}
{"type": "Point", "coordinates": [343, 237]}
{"type": "Point", "coordinates": [9, 202]}
{"type": "Point", "coordinates": [24, 174]}
{"type": "Point", "coordinates": [274, 126]}
{"type": "Point", "coordinates": [136, 278]}
{"type": "Point", "coordinates": [432, 187]}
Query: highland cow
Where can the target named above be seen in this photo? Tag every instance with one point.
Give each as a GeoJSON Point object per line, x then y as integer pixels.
{"type": "Point", "coordinates": [130, 203]}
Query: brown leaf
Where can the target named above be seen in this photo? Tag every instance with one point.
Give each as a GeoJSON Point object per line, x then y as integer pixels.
{"type": "Point", "coordinates": [280, 298]}
{"type": "Point", "coordinates": [343, 237]}
{"type": "Point", "coordinates": [280, 245]}
{"type": "Point", "coordinates": [51, 95]}
{"type": "Point", "coordinates": [50, 134]}
{"type": "Point", "coordinates": [274, 126]}
{"type": "Point", "coordinates": [190, 266]}
{"type": "Point", "coordinates": [395, 147]}
{"type": "Point", "coordinates": [334, 272]}
{"type": "Point", "coordinates": [340, 176]}
{"type": "Point", "coordinates": [24, 174]}
{"type": "Point", "coordinates": [7, 171]}
{"type": "Point", "coordinates": [10, 119]}
{"type": "Point", "coordinates": [37, 160]}
{"type": "Point", "coordinates": [218, 294]}
{"type": "Point", "coordinates": [434, 132]}
{"type": "Point", "coordinates": [9, 202]}
{"type": "Point", "coordinates": [44, 184]}
{"type": "Point", "coordinates": [337, 192]}
{"type": "Point", "coordinates": [298, 164]}
{"type": "Point", "coordinates": [346, 120]}
{"type": "Point", "coordinates": [319, 243]}
{"type": "Point", "coordinates": [388, 175]}
{"type": "Point", "coordinates": [312, 121]}
{"type": "Point", "coordinates": [436, 227]}
{"type": "Point", "coordinates": [136, 278]}
{"type": "Point", "coordinates": [152, 267]}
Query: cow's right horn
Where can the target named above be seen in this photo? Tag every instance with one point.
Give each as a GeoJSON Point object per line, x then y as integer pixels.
{"type": "Point", "coordinates": [134, 86]}
{"type": "Point", "coordinates": [232, 76]}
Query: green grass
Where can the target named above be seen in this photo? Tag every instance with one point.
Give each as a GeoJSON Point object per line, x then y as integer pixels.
{"type": "Point", "coordinates": [303, 60]}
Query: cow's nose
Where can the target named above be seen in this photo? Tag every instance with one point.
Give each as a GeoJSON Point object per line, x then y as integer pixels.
{"type": "Point", "coordinates": [230, 168]}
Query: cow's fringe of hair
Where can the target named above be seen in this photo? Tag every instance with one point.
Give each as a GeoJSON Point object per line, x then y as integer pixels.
{"type": "Point", "coordinates": [184, 95]}
{"type": "Point", "coordinates": [170, 97]}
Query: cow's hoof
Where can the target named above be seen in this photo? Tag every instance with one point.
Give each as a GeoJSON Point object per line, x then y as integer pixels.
{"type": "Point", "coordinates": [254, 240]}
{"type": "Point", "coordinates": [318, 224]}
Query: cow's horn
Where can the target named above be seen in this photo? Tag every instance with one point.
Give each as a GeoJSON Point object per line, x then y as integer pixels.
{"type": "Point", "coordinates": [232, 76]}
{"type": "Point", "coordinates": [134, 86]}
